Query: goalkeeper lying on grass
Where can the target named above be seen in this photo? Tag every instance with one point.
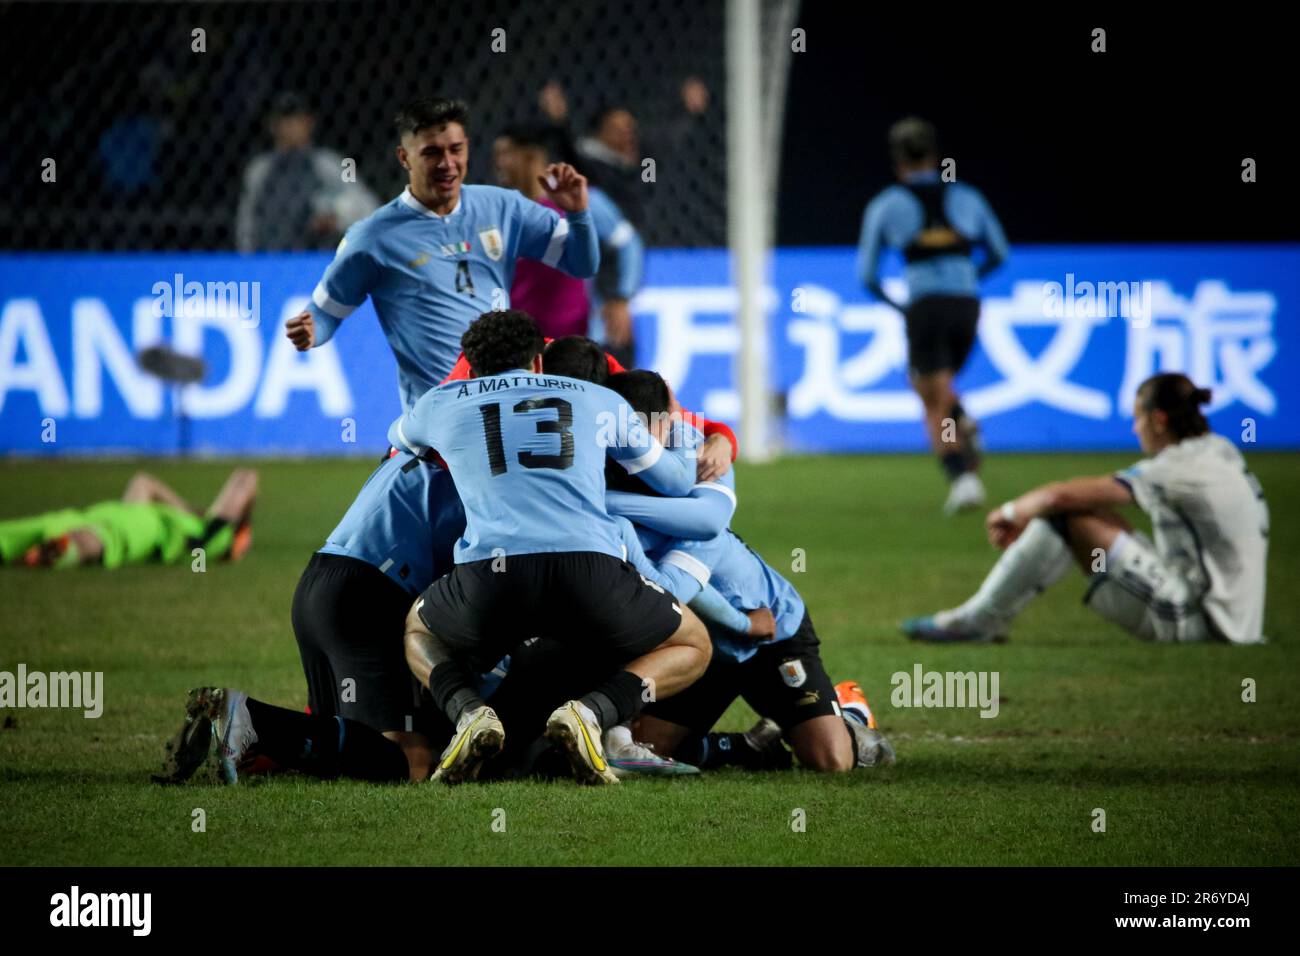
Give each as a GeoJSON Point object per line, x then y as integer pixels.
{"type": "Point", "coordinates": [150, 524]}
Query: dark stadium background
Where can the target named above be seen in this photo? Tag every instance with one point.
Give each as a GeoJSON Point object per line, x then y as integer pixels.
{"type": "Point", "coordinates": [1097, 164]}
{"type": "Point", "coordinates": [1157, 125]}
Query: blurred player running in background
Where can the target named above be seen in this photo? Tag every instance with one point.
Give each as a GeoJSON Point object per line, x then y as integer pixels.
{"type": "Point", "coordinates": [1201, 579]}
{"type": "Point", "coordinates": [936, 225]}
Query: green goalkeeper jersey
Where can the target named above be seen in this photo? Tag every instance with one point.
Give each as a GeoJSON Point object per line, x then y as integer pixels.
{"type": "Point", "coordinates": [131, 532]}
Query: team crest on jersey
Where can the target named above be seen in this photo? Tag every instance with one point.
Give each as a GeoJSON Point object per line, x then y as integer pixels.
{"type": "Point", "coordinates": [793, 674]}
{"type": "Point", "coordinates": [493, 244]}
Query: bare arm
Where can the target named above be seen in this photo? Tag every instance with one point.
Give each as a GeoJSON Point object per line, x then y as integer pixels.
{"type": "Point", "coordinates": [144, 488]}
{"type": "Point", "coordinates": [1005, 523]}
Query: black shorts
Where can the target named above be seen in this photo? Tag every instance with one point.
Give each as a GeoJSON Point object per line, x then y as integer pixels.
{"type": "Point", "coordinates": [941, 332]}
{"type": "Point", "coordinates": [784, 680]}
{"type": "Point", "coordinates": [588, 601]}
{"type": "Point", "coordinates": [349, 618]}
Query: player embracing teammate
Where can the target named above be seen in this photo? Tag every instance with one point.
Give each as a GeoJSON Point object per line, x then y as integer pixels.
{"type": "Point", "coordinates": [537, 555]}
{"type": "Point", "coordinates": [541, 557]}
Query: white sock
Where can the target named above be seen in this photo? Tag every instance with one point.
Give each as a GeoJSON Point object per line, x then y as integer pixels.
{"type": "Point", "coordinates": [618, 737]}
{"type": "Point", "coordinates": [1117, 547]}
{"type": "Point", "coordinates": [1033, 563]}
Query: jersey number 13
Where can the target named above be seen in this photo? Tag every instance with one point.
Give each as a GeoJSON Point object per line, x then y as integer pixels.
{"type": "Point", "coordinates": [560, 425]}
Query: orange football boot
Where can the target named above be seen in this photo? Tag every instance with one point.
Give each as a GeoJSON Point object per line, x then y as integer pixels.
{"type": "Point", "coordinates": [850, 695]}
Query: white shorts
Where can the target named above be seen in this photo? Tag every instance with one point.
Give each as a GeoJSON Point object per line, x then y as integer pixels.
{"type": "Point", "coordinates": [1147, 597]}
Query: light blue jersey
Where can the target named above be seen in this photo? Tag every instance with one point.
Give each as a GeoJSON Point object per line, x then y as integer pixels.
{"type": "Point", "coordinates": [723, 569]}
{"type": "Point", "coordinates": [683, 579]}
{"type": "Point", "coordinates": [686, 547]}
{"type": "Point", "coordinates": [528, 456]}
{"type": "Point", "coordinates": [702, 514]}
{"type": "Point", "coordinates": [619, 237]}
{"type": "Point", "coordinates": [746, 581]}
{"type": "Point", "coordinates": [430, 276]}
{"type": "Point", "coordinates": [405, 521]}
{"type": "Point", "coordinates": [894, 219]}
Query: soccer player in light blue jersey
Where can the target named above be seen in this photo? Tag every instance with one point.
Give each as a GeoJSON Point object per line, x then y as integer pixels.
{"type": "Point", "coordinates": [442, 252]}
{"type": "Point", "coordinates": [765, 647]}
{"type": "Point", "coordinates": [540, 555]}
{"type": "Point", "coordinates": [938, 226]}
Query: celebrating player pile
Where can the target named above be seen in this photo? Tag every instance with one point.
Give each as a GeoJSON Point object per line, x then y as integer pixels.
{"type": "Point", "coordinates": [532, 635]}
{"type": "Point", "coordinates": [540, 575]}
{"type": "Point", "coordinates": [540, 556]}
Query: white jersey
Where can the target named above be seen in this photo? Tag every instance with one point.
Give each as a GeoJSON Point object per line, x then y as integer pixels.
{"type": "Point", "coordinates": [1210, 523]}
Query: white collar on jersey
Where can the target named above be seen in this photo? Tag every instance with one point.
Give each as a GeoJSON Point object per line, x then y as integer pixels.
{"type": "Point", "coordinates": [424, 210]}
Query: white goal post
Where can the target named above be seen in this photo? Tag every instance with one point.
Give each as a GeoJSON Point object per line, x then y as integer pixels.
{"type": "Point", "coordinates": [753, 151]}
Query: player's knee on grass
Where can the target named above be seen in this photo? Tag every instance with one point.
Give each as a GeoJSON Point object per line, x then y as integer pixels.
{"type": "Point", "coordinates": [823, 744]}
{"type": "Point", "coordinates": [418, 752]}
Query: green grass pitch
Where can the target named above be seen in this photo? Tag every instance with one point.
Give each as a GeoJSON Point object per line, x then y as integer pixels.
{"type": "Point", "coordinates": [1157, 737]}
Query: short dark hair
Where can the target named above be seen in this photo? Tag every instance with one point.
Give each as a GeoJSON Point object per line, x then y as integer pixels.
{"type": "Point", "coordinates": [913, 139]}
{"type": "Point", "coordinates": [289, 103]}
{"type": "Point", "coordinates": [496, 342]}
{"type": "Point", "coordinates": [426, 113]}
{"type": "Point", "coordinates": [605, 112]}
{"type": "Point", "coordinates": [645, 391]}
{"type": "Point", "coordinates": [576, 356]}
{"type": "Point", "coordinates": [532, 136]}
{"type": "Point", "coordinates": [1178, 397]}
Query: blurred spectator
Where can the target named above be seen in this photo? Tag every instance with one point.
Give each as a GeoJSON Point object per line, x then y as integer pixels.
{"type": "Point", "coordinates": [561, 305]}
{"type": "Point", "coordinates": [554, 106]}
{"type": "Point", "coordinates": [129, 151]}
{"type": "Point", "coordinates": [685, 120]}
{"type": "Point", "coordinates": [675, 130]}
{"type": "Point", "coordinates": [682, 129]}
{"type": "Point", "coordinates": [695, 96]}
{"type": "Point", "coordinates": [294, 197]}
{"type": "Point", "coordinates": [610, 155]}
{"type": "Point", "coordinates": [131, 146]}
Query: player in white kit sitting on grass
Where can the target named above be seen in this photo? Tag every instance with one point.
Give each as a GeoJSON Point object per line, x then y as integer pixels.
{"type": "Point", "coordinates": [1201, 579]}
